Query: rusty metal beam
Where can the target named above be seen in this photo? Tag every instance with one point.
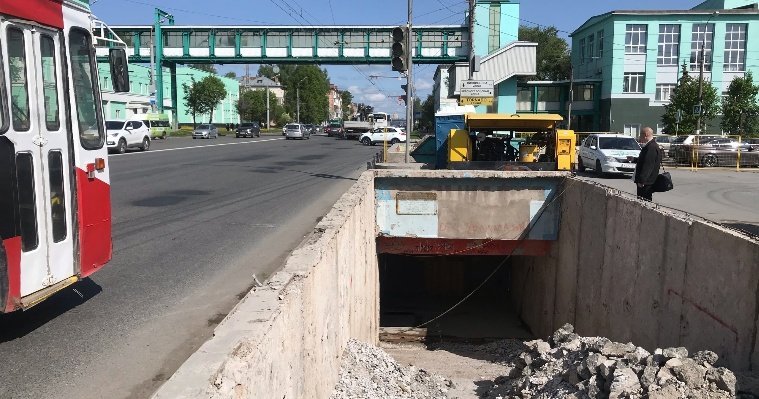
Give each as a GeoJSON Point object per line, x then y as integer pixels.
{"type": "Point", "coordinates": [454, 246]}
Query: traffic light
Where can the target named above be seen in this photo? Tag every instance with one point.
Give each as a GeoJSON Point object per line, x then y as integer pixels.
{"type": "Point", "coordinates": [404, 97]}
{"type": "Point", "coordinates": [400, 35]}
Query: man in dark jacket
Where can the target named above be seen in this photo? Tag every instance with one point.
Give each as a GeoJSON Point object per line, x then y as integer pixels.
{"type": "Point", "coordinates": [648, 164]}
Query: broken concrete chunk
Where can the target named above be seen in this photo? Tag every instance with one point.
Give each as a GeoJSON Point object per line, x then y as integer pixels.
{"type": "Point", "coordinates": [615, 349]}
{"type": "Point", "coordinates": [671, 363]}
{"type": "Point", "coordinates": [663, 376]}
{"type": "Point", "coordinates": [707, 357]}
{"type": "Point", "coordinates": [625, 383]}
{"type": "Point", "coordinates": [657, 359]}
{"type": "Point", "coordinates": [690, 372]}
{"type": "Point", "coordinates": [648, 377]}
{"type": "Point", "coordinates": [637, 356]}
{"type": "Point", "coordinates": [606, 368]}
{"type": "Point", "coordinates": [679, 352]}
{"type": "Point", "coordinates": [593, 361]}
{"type": "Point", "coordinates": [562, 334]}
{"type": "Point", "coordinates": [723, 378]}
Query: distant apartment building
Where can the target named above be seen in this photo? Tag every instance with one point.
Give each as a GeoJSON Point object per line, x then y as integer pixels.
{"type": "Point", "coordinates": [263, 83]}
{"type": "Point", "coordinates": [637, 55]}
{"type": "Point", "coordinates": [140, 99]}
{"type": "Point", "coordinates": [335, 102]}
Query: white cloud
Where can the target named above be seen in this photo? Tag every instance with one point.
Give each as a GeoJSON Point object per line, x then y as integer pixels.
{"type": "Point", "coordinates": [374, 97]}
{"type": "Point", "coordinates": [355, 90]}
{"type": "Point", "coordinates": [423, 84]}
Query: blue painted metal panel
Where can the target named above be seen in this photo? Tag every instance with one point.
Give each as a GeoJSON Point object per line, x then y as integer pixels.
{"type": "Point", "coordinates": [443, 126]}
{"type": "Point", "coordinates": [393, 223]}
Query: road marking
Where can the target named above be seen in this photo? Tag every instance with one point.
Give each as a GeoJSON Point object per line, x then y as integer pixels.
{"type": "Point", "coordinates": [196, 146]}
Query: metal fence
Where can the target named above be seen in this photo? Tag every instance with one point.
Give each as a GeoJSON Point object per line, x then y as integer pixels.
{"type": "Point", "coordinates": [707, 151]}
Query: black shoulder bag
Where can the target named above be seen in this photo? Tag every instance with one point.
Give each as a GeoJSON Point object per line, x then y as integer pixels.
{"type": "Point", "coordinates": [663, 182]}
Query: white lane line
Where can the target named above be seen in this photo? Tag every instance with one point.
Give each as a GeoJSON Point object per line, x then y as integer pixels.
{"type": "Point", "coordinates": [196, 146]}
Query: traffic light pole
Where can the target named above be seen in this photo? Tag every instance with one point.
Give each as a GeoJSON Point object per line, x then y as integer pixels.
{"type": "Point", "coordinates": [409, 81]}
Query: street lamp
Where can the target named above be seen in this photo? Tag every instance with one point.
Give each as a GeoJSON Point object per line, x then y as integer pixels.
{"type": "Point", "coordinates": [297, 95]}
{"type": "Point", "coordinates": [701, 71]}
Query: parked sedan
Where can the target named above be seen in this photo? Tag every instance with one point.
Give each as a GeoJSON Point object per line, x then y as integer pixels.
{"type": "Point", "coordinates": [297, 131]}
{"type": "Point", "coordinates": [753, 143]}
{"type": "Point", "coordinates": [248, 129]}
{"type": "Point", "coordinates": [678, 144]}
{"type": "Point", "coordinates": [206, 131]}
{"type": "Point", "coordinates": [608, 153]}
{"type": "Point", "coordinates": [664, 141]}
{"type": "Point", "coordinates": [723, 151]}
{"type": "Point", "coordinates": [127, 134]}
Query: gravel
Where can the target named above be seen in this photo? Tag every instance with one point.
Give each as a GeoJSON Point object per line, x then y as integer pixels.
{"type": "Point", "coordinates": [369, 372]}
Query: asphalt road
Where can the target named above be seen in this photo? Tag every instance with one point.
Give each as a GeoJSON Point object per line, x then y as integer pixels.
{"type": "Point", "coordinates": [193, 221]}
{"type": "Point", "coordinates": [719, 194]}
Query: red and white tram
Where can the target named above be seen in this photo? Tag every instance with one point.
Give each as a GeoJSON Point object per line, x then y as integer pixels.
{"type": "Point", "coordinates": [55, 207]}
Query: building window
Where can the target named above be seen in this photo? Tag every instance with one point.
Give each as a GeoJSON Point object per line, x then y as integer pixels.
{"type": "Point", "coordinates": [634, 82]}
{"type": "Point", "coordinates": [105, 82]}
{"type": "Point", "coordinates": [591, 47]}
{"type": "Point", "coordinates": [224, 39]}
{"type": "Point", "coordinates": [735, 47]}
{"type": "Point", "coordinates": [582, 51]}
{"type": "Point", "coordinates": [118, 113]}
{"type": "Point", "coordinates": [632, 130]}
{"type": "Point", "coordinates": [702, 34]}
{"type": "Point", "coordinates": [199, 39]}
{"type": "Point", "coordinates": [635, 39]}
{"type": "Point", "coordinates": [494, 34]}
{"type": "Point", "coordinates": [583, 93]}
{"type": "Point", "coordinates": [669, 45]}
{"type": "Point", "coordinates": [600, 43]}
{"type": "Point", "coordinates": [549, 94]}
{"type": "Point", "coordinates": [172, 39]}
{"type": "Point", "coordinates": [664, 91]}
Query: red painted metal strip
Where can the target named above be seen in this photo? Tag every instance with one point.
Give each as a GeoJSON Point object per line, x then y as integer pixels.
{"type": "Point", "coordinates": [451, 246]}
{"type": "Point", "coordinates": [13, 256]}
{"type": "Point", "coordinates": [94, 209]}
{"type": "Point", "coordinates": [46, 12]}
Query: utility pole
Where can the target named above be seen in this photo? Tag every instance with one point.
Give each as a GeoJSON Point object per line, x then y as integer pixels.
{"type": "Point", "coordinates": [297, 101]}
{"type": "Point", "coordinates": [409, 81]}
{"type": "Point", "coordinates": [701, 84]}
{"type": "Point", "coordinates": [571, 96]}
{"type": "Point", "coordinates": [471, 38]}
{"type": "Point", "coordinates": [267, 107]}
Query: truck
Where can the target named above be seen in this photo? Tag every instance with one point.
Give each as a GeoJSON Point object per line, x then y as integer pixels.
{"type": "Point", "coordinates": [354, 129]}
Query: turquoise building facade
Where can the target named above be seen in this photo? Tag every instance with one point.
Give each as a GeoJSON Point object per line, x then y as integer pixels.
{"type": "Point", "coordinates": [637, 56]}
{"type": "Point", "coordinates": [121, 106]}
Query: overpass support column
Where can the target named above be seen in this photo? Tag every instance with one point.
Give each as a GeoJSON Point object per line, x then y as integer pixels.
{"type": "Point", "coordinates": [174, 99]}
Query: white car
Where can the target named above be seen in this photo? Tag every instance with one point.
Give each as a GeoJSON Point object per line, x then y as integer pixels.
{"type": "Point", "coordinates": [608, 153]}
{"type": "Point", "coordinates": [121, 135]}
{"type": "Point", "coordinates": [382, 134]}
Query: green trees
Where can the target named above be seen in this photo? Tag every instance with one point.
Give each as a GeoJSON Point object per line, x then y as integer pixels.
{"type": "Point", "coordinates": [203, 96]}
{"type": "Point", "coordinates": [252, 107]}
{"type": "Point", "coordinates": [683, 99]}
{"type": "Point", "coordinates": [313, 84]}
{"type": "Point", "coordinates": [347, 99]}
{"type": "Point", "coordinates": [740, 109]}
{"type": "Point", "coordinates": [231, 75]}
{"type": "Point", "coordinates": [552, 56]}
{"type": "Point", "coordinates": [427, 121]}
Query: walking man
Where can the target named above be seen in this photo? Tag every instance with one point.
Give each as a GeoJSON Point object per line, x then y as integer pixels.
{"type": "Point", "coordinates": [648, 164]}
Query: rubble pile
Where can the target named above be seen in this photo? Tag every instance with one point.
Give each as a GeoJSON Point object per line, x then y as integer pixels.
{"type": "Point", "coordinates": [573, 367]}
{"type": "Point", "coordinates": [369, 372]}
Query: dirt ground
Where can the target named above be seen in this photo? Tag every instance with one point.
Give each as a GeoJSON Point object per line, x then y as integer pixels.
{"type": "Point", "coordinates": [472, 368]}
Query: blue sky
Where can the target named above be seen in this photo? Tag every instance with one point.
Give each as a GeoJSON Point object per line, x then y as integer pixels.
{"type": "Point", "coordinates": [564, 14]}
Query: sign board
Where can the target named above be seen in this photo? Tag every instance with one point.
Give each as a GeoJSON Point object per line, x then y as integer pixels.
{"type": "Point", "coordinates": [476, 92]}
{"type": "Point", "coordinates": [476, 101]}
{"type": "Point", "coordinates": [696, 110]}
{"type": "Point", "coordinates": [477, 84]}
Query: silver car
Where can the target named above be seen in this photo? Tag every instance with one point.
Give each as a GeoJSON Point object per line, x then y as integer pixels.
{"type": "Point", "coordinates": [297, 131]}
{"type": "Point", "coordinates": [206, 131]}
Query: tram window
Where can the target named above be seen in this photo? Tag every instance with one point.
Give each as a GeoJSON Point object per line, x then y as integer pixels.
{"type": "Point", "coordinates": [26, 201]}
{"type": "Point", "coordinates": [57, 195]}
{"type": "Point", "coordinates": [49, 83]}
{"type": "Point", "coordinates": [82, 64]}
{"type": "Point", "coordinates": [19, 86]}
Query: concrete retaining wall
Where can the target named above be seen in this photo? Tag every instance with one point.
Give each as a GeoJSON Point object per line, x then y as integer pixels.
{"type": "Point", "coordinates": [284, 340]}
{"type": "Point", "coordinates": [629, 271]}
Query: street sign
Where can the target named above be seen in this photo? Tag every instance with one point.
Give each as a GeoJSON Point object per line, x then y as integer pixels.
{"type": "Point", "coordinates": [696, 110]}
{"type": "Point", "coordinates": [477, 84]}
{"type": "Point", "coordinates": [679, 116]}
{"type": "Point", "coordinates": [476, 101]}
{"type": "Point", "coordinates": [476, 92]}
